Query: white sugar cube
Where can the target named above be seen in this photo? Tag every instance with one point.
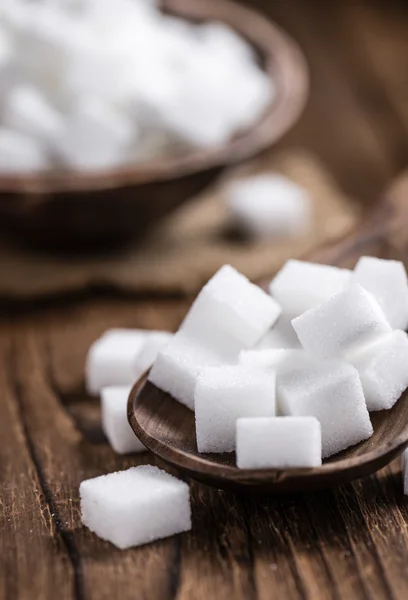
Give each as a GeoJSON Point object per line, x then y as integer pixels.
{"type": "Point", "coordinates": [111, 359]}
{"type": "Point", "coordinates": [301, 285]}
{"type": "Point", "coordinates": [115, 422]}
{"type": "Point", "coordinates": [229, 302]}
{"type": "Point", "coordinates": [269, 206]}
{"type": "Point", "coordinates": [177, 365]}
{"type": "Point", "coordinates": [282, 335]}
{"type": "Point", "coordinates": [404, 469]}
{"type": "Point", "coordinates": [154, 342]}
{"type": "Point", "coordinates": [27, 110]}
{"type": "Point", "coordinates": [272, 358]}
{"type": "Point", "coordinates": [222, 39]}
{"type": "Point", "coordinates": [383, 370]}
{"type": "Point", "coordinates": [278, 443]}
{"type": "Point", "coordinates": [95, 136]}
{"type": "Point", "coordinates": [20, 153]}
{"type": "Point", "coordinates": [387, 281]}
{"type": "Point", "coordinates": [338, 325]}
{"type": "Point", "coordinates": [135, 507]}
{"type": "Point", "coordinates": [332, 392]}
{"type": "Point", "coordinates": [223, 395]}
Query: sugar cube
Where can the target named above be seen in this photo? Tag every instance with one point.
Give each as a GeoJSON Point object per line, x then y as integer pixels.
{"type": "Point", "coordinates": [281, 335]}
{"type": "Point", "coordinates": [27, 110]}
{"type": "Point", "coordinates": [20, 153]}
{"type": "Point", "coordinates": [95, 136]}
{"type": "Point", "coordinates": [112, 358]}
{"type": "Point", "coordinates": [229, 302]}
{"type": "Point", "coordinates": [278, 442]}
{"type": "Point", "coordinates": [223, 395]}
{"type": "Point", "coordinates": [341, 323]}
{"type": "Point", "coordinates": [383, 371]}
{"type": "Point", "coordinates": [154, 342]}
{"type": "Point", "coordinates": [332, 392]}
{"type": "Point", "coordinates": [387, 282]}
{"type": "Point", "coordinates": [269, 205]}
{"type": "Point", "coordinates": [404, 469]}
{"type": "Point", "coordinates": [270, 357]}
{"type": "Point", "coordinates": [136, 506]}
{"type": "Point", "coordinates": [301, 285]}
{"type": "Point", "coordinates": [115, 422]}
{"type": "Point", "coordinates": [177, 365]}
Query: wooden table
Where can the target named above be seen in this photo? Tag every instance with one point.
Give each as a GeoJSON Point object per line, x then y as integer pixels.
{"type": "Point", "coordinates": [346, 543]}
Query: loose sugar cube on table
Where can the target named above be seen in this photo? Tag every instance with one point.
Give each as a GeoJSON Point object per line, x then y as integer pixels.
{"type": "Point", "coordinates": [332, 392]}
{"type": "Point", "coordinates": [338, 325]}
{"type": "Point", "coordinates": [387, 282]}
{"type": "Point", "coordinates": [301, 285]}
{"type": "Point", "coordinates": [176, 367]}
{"type": "Point", "coordinates": [269, 206]}
{"type": "Point", "coordinates": [383, 370]}
{"type": "Point", "coordinates": [115, 423]}
{"type": "Point", "coordinates": [111, 359]}
{"type": "Point", "coordinates": [278, 443]}
{"type": "Point", "coordinates": [223, 395]}
{"type": "Point", "coordinates": [134, 507]}
{"type": "Point", "coordinates": [229, 302]}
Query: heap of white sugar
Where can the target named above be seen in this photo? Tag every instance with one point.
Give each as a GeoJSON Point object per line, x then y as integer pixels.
{"type": "Point", "coordinates": [278, 403]}
{"type": "Point", "coordinates": [93, 84]}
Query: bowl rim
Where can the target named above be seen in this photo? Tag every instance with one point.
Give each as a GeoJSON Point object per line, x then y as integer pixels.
{"type": "Point", "coordinates": [284, 63]}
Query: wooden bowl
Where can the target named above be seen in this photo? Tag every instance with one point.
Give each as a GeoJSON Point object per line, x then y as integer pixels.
{"type": "Point", "coordinates": [73, 209]}
{"type": "Point", "coordinates": [167, 428]}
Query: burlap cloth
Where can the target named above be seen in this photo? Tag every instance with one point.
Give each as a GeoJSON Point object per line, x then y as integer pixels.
{"type": "Point", "coordinates": [183, 251]}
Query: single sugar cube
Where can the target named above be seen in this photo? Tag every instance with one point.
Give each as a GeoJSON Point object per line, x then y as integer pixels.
{"type": "Point", "coordinates": [383, 370]}
{"type": "Point", "coordinates": [272, 358]}
{"type": "Point", "coordinates": [136, 506]}
{"type": "Point", "coordinates": [404, 469]}
{"type": "Point", "coordinates": [278, 443]}
{"type": "Point", "coordinates": [111, 359]}
{"type": "Point", "coordinates": [115, 422]}
{"type": "Point", "coordinates": [332, 392]}
{"type": "Point", "coordinates": [95, 136]}
{"type": "Point", "coordinates": [223, 395]}
{"type": "Point", "coordinates": [281, 335]}
{"type": "Point", "coordinates": [387, 282]}
{"type": "Point", "coordinates": [27, 110]}
{"type": "Point", "coordinates": [20, 153]}
{"type": "Point", "coordinates": [229, 302]}
{"type": "Point", "coordinates": [301, 285]}
{"type": "Point", "coordinates": [340, 324]}
{"type": "Point", "coordinates": [269, 206]}
{"type": "Point", "coordinates": [177, 365]}
{"type": "Point", "coordinates": [154, 342]}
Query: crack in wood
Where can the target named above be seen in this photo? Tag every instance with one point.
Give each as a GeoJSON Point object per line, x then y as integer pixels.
{"type": "Point", "coordinates": [66, 536]}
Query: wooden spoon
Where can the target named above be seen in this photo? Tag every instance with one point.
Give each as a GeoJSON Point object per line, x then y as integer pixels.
{"type": "Point", "coordinates": [167, 428]}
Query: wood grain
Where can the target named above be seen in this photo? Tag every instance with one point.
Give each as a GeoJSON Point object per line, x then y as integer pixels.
{"type": "Point", "coordinates": [348, 543]}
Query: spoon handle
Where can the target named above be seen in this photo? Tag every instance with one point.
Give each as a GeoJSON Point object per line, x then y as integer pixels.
{"type": "Point", "coordinates": [383, 231]}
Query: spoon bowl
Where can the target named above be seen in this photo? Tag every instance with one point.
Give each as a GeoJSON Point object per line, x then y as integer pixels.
{"type": "Point", "coordinates": [167, 428]}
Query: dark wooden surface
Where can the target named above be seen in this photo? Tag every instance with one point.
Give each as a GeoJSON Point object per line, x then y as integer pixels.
{"type": "Point", "coordinates": [348, 543]}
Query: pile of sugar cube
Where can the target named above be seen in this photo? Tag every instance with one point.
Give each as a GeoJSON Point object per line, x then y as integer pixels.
{"type": "Point", "coordinates": [284, 379]}
{"type": "Point", "coordinates": [93, 84]}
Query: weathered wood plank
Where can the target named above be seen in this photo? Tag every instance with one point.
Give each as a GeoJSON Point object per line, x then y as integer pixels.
{"type": "Point", "coordinates": [35, 559]}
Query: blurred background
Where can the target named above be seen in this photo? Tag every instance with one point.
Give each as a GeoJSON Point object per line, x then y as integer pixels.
{"type": "Point", "coordinates": [146, 177]}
